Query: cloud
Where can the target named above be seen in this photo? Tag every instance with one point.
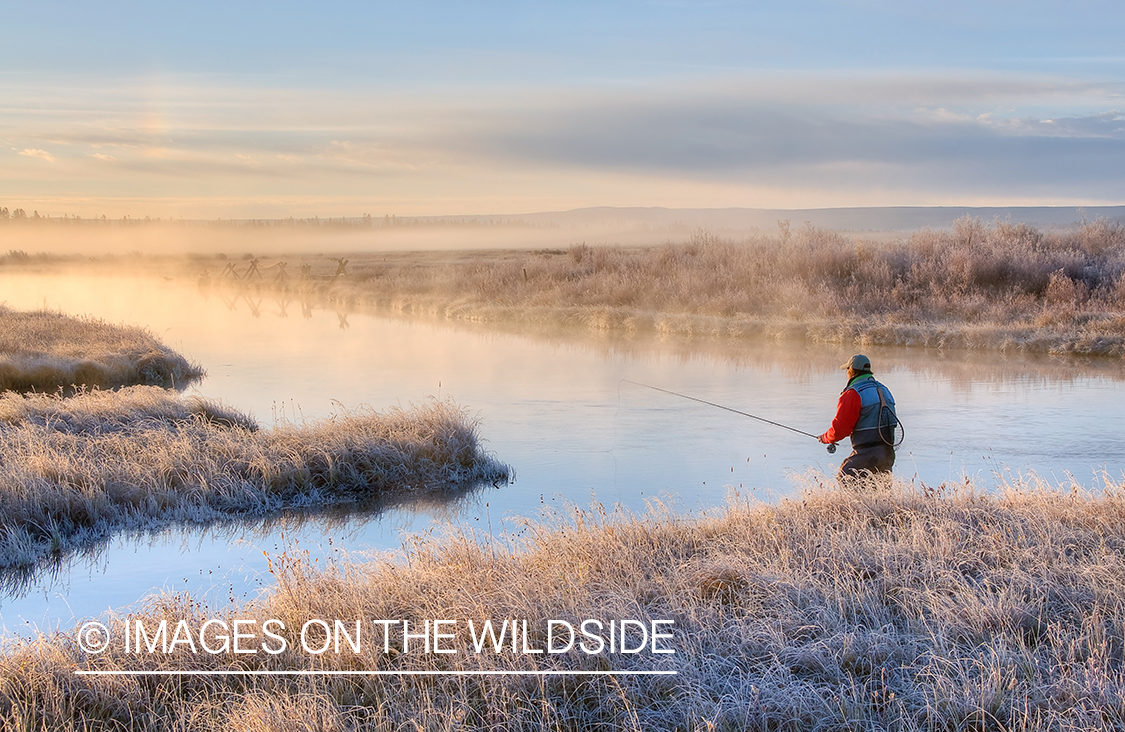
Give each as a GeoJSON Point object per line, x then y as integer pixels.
{"type": "Point", "coordinates": [732, 139]}
{"type": "Point", "coordinates": [1108, 125]}
{"type": "Point", "coordinates": [34, 153]}
{"type": "Point", "coordinates": [827, 140]}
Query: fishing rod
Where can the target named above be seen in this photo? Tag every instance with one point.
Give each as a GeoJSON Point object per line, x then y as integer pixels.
{"type": "Point", "coordinates": [831, 447]}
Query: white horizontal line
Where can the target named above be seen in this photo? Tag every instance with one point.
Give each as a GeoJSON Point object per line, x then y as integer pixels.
{"type": "Point", "coordinates": [372, 673]}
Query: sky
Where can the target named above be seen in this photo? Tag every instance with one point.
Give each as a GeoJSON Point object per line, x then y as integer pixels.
{"type": "Point", "coordinates": [267, 110]}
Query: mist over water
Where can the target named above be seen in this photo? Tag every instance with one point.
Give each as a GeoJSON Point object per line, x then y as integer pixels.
{"type": "Point", "coordinates": [554, 406]}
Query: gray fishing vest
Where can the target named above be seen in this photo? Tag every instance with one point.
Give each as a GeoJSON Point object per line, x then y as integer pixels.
{"type": "Point", "coordinates": [868, 429]}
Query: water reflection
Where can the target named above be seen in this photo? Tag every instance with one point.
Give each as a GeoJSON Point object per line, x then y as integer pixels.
{"type": "Point", "coordinates": [962, 369]}
{"type": "Point", "coordinates": [800, 360]}
{"type": "Point", "coordinates": [335, 526]}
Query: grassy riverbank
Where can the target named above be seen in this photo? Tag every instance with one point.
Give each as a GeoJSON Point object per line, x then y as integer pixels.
{"type": "Point", "coordinates": [906, 609]}
{"type": "Point", "coordinates": [77, 469]}
{"type": "Point", "coordinates": [1007, 287]}
{"type": "Point", "coordinates": [1004, 286]}
{"type": "Point", "coordinates": [44, 351]}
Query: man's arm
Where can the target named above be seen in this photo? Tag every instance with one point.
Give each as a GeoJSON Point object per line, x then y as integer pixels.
{"type": "Point", "coordinates": [847, 414]}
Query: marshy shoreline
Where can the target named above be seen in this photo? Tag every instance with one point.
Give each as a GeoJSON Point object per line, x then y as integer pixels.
{"type": "Point", "coordinates": [1006, 287]}
{"type": "Point", "coordinates": [79, 468]}
{"type": "Point", "coordinates": [45, 351]}
{"type": "Point", "coordinates": [94, 441]}
{"type": "Point", "coordinates": [912, 608]}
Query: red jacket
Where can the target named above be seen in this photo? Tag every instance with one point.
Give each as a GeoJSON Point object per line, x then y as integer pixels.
{"type": "Point", "coordinates": [847, 414]}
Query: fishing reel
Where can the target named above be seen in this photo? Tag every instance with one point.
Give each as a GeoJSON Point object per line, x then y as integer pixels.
{"type": "Point", "coordinates": [832, 448]}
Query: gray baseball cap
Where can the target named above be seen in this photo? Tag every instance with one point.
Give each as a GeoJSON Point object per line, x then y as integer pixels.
{"type": "Point", "coordinates": [858, 362]}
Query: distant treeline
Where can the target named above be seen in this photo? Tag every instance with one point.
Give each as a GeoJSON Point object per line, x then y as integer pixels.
{"type": "Point", "coordinates": [20, 216]}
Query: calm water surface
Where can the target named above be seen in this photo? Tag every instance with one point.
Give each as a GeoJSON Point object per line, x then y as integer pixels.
{"type": "Point", "coordinates": [554, 407]}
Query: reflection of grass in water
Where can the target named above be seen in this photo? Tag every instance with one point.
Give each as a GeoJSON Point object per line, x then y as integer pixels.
{"type": "Point", "coordinates": [79, 469]}
{"type": "Point", "coordinates": [43, 351]}
{"type": "Point", "coordinates": [799, 360]}
{"type": "Point", "coordinates": [905, 609]}
{"type": "Point", "coordinates": [53, 573]}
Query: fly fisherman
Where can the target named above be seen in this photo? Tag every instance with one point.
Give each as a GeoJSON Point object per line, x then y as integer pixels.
{"type": "Point", "coordinates": [866, 412]}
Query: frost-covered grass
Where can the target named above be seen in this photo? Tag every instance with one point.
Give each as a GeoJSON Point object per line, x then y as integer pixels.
{"type": "Point", "coordinates": [1001, 287]}
{"type": "Point", "coordinates": [905, 609]}
{"type": "Point", "coordinates": [45, 351]}
{"type": "Point", "coordinates": [76, 469]}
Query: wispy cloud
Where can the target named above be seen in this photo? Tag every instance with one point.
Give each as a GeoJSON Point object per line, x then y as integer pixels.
{"type": "Point", "coordinates": [36, 153]}
{"type": "Point", "coordinates": [1107, 125]}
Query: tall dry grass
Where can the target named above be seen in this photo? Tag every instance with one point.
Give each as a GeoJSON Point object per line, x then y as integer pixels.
{"type": "Point", "coordinates": [45, 351]}
{"type": "Point", "coordinates": [77, 469]}
{"type": "Point", "coordinates": [1006, 286]}
{"type": "Point", "coordinates": [909, 609]}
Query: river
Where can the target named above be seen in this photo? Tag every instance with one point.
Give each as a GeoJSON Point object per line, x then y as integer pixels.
{"type": "Point", "coordinates": [558, 407]}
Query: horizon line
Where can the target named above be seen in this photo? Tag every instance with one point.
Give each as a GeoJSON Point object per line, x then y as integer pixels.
{"type": "Point", "coordinates": [448, 216]}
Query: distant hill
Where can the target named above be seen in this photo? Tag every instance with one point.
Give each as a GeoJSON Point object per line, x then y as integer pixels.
{"type": "Point", "coordinates": [883, 218]}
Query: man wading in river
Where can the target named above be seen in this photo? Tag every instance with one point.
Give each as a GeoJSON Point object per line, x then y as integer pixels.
{"type": "Point", "coordinates": [866, 411]}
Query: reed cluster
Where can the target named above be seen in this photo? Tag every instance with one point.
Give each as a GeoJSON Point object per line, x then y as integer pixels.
{"type": "Point", "coordinates": [45, 351]}
{"type": "Point", "coordinates": [908, 608]}
{"type": "Point", "coordinates": [1008, 286]}
{"type": "Point", "coordinates": [78, 468]}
